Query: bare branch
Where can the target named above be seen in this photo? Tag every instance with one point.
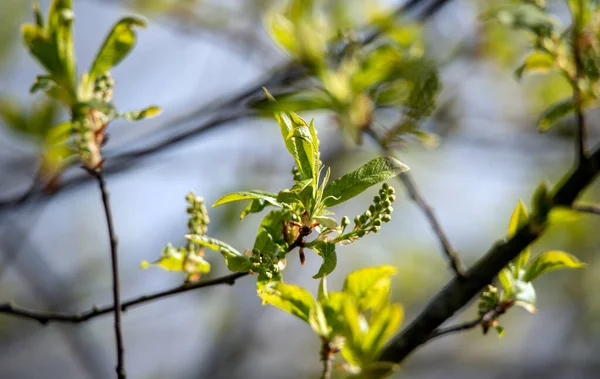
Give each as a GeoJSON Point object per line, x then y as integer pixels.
{"type": "Point", "coordinates": [416, 196]}
{"type": "Point", "coordinates": [46, 317]}
{"type": "Point", "coordinates": [114, 257]}
{"type": "Point", "coordinates": [593, 209]}
{"type": "Point", "coordinates": [455, 328]}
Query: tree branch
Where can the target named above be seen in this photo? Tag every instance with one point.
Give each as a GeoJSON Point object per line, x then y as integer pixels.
{"type": "Point", "coordinates": [577, 97]}
{"type": "Point", "coordinates": [116, 286]}
{"type": "Point", "coordinates": [593, 209]}
{"type": "Point", "coordinates": [460, 291]}
{"type": "Point", "coordinates": [455, 328]}
{"type": "Point", "coordinates": [46, 317]}
{"type": "Point", "coordinates": [416, 196]}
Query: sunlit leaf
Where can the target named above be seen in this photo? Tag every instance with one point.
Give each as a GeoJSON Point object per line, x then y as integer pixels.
{"type": "Point", "coordinates": [149, 112]}
{"type": "Point", "coordinates": [550, 261]}
{"type": "Point", "coordinates": [536, 62]}
{"type": "Point", "coordinates": [290, 298]}
{"type": "Point", "coordinates": [369, 286]}
{"type": "Point", "coordinates": [518, 220]}
{"type": "Point", "coordinates": [118, 43]}
{"type": "Point", "coordinates": [383, 324]}
{"type": "Point", "coordinates": [554, 113]}
{"type": "Point", "coordinates": [327, 252]}
{"type": "Point", "coordinates": [248, 195]}
{"type": "Point", "coordinates": [214, 244]}
{"type": "Point", "coordinates": [355, 182]}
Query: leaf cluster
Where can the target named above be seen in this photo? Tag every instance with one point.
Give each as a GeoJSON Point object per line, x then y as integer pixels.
{"type": "Point", "coordinates": [87, 97]}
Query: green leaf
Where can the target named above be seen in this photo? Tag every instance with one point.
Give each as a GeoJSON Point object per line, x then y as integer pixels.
{"type": "Point", "coordinates": [327, 222]}
{"type": "Point", "coordinates": [524, 295]}
{"type": "Point", "coordinates": [333, 310]}
{"type": "Point", "coordinates": [526, 16]}
{"type": "Point", "coordinates": [303, 100]}
{"type": "Point", "coordinates": [506, 279]}
{"type": "Point", "coordinates": [172, 259]}
{"type": "Point", "coordinates": [536, 62]}
{"type": "Point", "coordinates": [555, 112]}
{"type": "Point", "coordinates": [354, 333]}
{"type": "Point", "coordinates": [383, 324]}
{"type": "Point", "coordinates": [542, 201]}
{"type": "Point", "coordinates": [118, 43]}
{"type": "Point", "coordinates": [237, 263]}
{"type": "Point", "coordinates": [61, 24]}
{"type": "Point", "coordinates": [549, 261]}
{"type": "Point", "coordinates": [518, 220]}
{"type": "Point", "coordinates": [43, 49]}
{"type": "Point", "coordinates": [214, 244]}
{"type": "Point", "coordinates": [37, 13]}
{"type": "Point", "coordinates": [290, 298]}
{"type": "Point", "coordinates": [149, 112]}
{"type": "Point", "coordinates": [269, 197]}
{"type": "Point", "coordinates": [255, 206]}
{"type": "Point", "coordinates": [318, 322]}
{"type": "Point", "coordinates": [355, 182]}
{"type": "Point", "coordinates": [270, 233]}
{"type": "Point", "coordinates": [298, 141]}
{"type": "Point", "coordinates": [369, 286]}
{"type": "Point", "coordinates": [327, 251]}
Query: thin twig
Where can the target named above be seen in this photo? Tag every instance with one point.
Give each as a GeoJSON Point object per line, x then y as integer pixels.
{"type": "Point", "coordinates": [594, 209]}
{"type": "Point", "coordinates": [327, 356]}
{"type": "Point", "coordinates": [416, 196]}
{"type": "Point", "coordinates": [46, 317]}
{"type": "Point", "coordinates": [455, 328]}
{"type": "Point", "coordinates": [121, 373]}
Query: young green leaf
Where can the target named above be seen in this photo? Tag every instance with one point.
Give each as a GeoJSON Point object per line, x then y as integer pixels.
{"type": "Point", "coordinates": [555, 112]}
{"type": "Point", "coordinates": [382, 326]}
{"type": "Point", "coordinates": [172, 259]}
{"type": "Point", "coordinates": [536, 62]}
{"type": "Point", "coordinates": [524, 295]}
{"type": "Point", "coordinates": [327, 252]}
{"type": "Point", "coordinates": [549, 261]}
{"type": "Point", "coordinates": [318, 322]}
{"type": "Point", "coordinates": [149, 112]}
{"type": "Point", "coordinates": [269, 197]}
{"type": "Point", "coordinates": [355, 182]}
{"type": "Point", "coordinates": [299, 142]}
{"type": "Point", "coordinates": [506, 279]}
{"type": "Point", "coordinates": [369, 286]}
{"type": "Point", "coordinates": [290, 298]}
{"type": "Point", "coordinates": [518, 220]}
{"type": "Point", "coordinates": [238, 263]}
{"type": "Point", "coordinates": [118, 43]}
{"type": "Point", "coordinates": [270, 233]}
{"type": "Point", "coordinates": [214, 244]}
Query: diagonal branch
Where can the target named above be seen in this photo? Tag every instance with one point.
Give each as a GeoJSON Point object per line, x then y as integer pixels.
{"type": "Point", "coordinates": [455, 328]}
{"type": "Point", "coordinates": [593, 209]}
{"type": "Point", "coordinates": [460, 291]}
{"type": "Point", "coordinates": [76, 318]}
{"type": "Point", "coordinates": [416, 196]}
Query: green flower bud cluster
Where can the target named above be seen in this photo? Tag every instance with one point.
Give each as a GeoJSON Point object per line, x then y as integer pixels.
{"type": "Point", "coordinates": [103, 87]}
{"type": "Point", "coordinates": [371, 220]}
{"type": "Point", "coordinates": [488, 300]}
{"type": "Point", "coordinates": [266, 264]}
{"type": "Point", "coordinates": [198, 220]}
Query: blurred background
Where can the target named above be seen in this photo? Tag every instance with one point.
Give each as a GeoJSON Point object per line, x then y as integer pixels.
{"type": "Point", "coordinates": [194, 57]}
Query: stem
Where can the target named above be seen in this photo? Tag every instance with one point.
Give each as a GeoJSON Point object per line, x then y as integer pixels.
{"type": "Point", "coordinates": [76, 318]}
{"type": "Point", "coordinates": [593, 209]}
{"type": "Point", "coordinates": [415, 195]}
{"type": "Point", "coordinates": [120, 369]}
{"type": "Point", "coordinates": [327, 357]}
{"type": "Point", "coordinates": [455, 328]}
